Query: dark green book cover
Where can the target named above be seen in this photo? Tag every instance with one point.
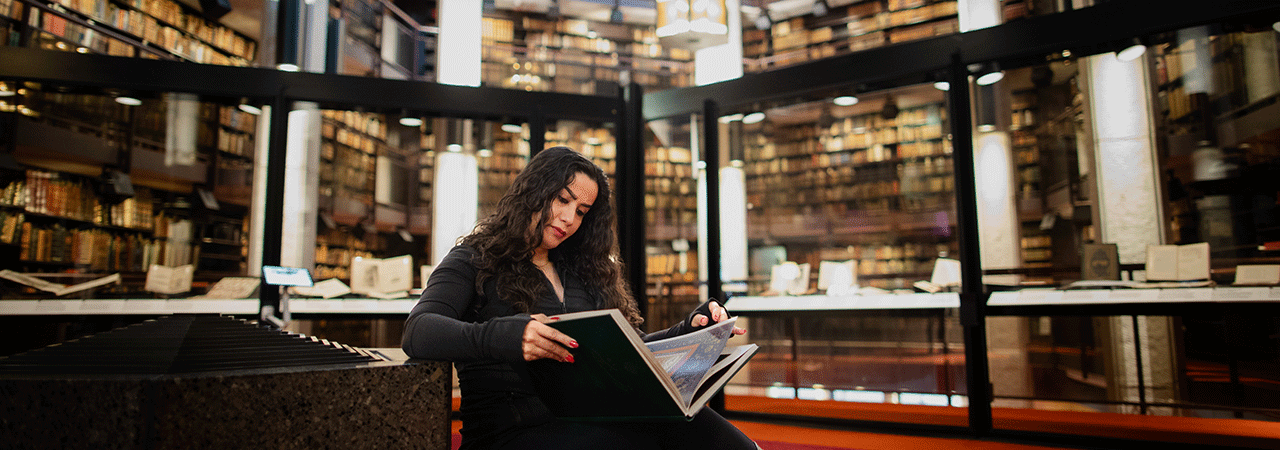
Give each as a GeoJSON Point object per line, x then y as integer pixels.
{"type": "Point", "coordinates": [613, 376]}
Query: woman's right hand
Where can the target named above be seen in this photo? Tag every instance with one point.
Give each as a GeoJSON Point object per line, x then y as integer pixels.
{"type": "Point", "coordinates": [541, 341]}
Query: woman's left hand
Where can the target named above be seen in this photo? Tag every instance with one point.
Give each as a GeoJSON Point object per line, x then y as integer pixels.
{"type": "Point", "coordinates": [718, 313]}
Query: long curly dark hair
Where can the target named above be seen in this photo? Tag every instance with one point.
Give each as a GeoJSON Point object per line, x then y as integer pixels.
{"type": "Point", "coordinates": [504, 241]}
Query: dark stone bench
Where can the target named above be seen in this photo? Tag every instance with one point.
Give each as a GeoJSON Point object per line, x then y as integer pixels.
{"type": "Point", "coordinates": [385, 401]}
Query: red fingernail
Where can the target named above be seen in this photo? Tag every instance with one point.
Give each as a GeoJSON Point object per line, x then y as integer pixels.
{"type": "Point", "coordinates": [568, 359]}
{"type": "Point", "coordinates": [573, 344]}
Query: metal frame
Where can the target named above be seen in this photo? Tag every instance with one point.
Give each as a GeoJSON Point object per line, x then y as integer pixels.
{"type": "Point", "coordinates": [281, 89]}
{"type": "Point", "coordinates": [1024, 42]}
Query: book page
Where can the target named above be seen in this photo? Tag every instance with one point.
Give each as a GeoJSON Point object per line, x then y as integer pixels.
{"type": "Point", "coordinates": [113, 278]}
{"type": "Point", "coordinates": [1257, 274]}
{"type": "Point", "coordinates": [1193, 262]}
{"type": "Point", "coordinates": [946, 272]}
{"type": "Point", "coordinates": [1162, 262]}
{"type": "Point", "coordinates": [730, 361]}
{"type": "Point", "coordinates": [395, 275]}
{"type": "Point", "coordinates": [687, 358]}
{"type": "Point", "coordinates": [364, 275]}
{"type": "Point", "coordinates": [31, 281]}
{"type": "Point", "coordinates": [169, 280]}
{"type": "Point", "coordinates": [232, 288]}
{"type": "Point", "coordinates": [330, 288]}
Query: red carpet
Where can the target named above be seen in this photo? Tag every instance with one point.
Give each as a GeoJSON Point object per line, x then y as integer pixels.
{"type": "Point", "coordinates": [764, 445]}
{"type": "Point", "coordinates": [771, 445]}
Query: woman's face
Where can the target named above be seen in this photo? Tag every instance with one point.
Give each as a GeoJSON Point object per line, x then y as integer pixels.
{"type": "Point", "coordinates": [568, 207]}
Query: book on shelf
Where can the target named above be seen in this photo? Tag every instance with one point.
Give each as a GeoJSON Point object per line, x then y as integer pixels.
{"type": "Point", "coordinates": [616, 376]}
{"type": "Point", "coordinates": [57, 288]}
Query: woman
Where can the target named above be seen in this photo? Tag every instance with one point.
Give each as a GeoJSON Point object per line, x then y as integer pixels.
{"type": "Point", "coordinates": [548, 249]}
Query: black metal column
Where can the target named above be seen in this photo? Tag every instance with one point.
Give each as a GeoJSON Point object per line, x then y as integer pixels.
{"type": "Point", "coordinates": [973, 299]}
{"type": "Point", "coordinates": [630, 192]}
{"type": "Point", "coordinates": [273, 206]}
{"type": "Point", "coordinates": [711, 155]}
{"type": "Point", "coordinates": [538, 133]}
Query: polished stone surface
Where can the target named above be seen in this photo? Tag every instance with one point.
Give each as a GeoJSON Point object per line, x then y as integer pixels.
{"type": "Point", "coordinates": [388, 404]}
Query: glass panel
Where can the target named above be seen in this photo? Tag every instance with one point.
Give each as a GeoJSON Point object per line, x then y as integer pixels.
{"type": "Point", "coordinates": [671, 223]}
{"type": "Point", "coordinates": [100, 184]}
{"type": "Point", "coordinates": [1111, 158]}
{"type": "Point", "coordinates": [849, 203]}
{"type": "Point", "coordinates": [1215, 90]}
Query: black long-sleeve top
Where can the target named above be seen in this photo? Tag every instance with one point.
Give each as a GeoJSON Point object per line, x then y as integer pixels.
{"type": "Point", "coordinates": [483, 337]}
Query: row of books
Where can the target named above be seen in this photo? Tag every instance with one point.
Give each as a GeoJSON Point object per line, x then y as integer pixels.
{"type": "Point", "coordinates": [659, 201]}
{"type": "Point", "coordinates": [169, 14]}
{"type": "Point", "coordinates": [99, 249]}
{"type": "Point", "coordinates": [53, 194]}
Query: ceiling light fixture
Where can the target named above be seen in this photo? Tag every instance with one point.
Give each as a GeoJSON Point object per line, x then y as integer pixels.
{"type": "Point", "coordinates": [1134, 50]}
{"type": "Point", "coordinates": [845, 100]}
{"type": "Point", "coordinates": [246, 107]}
{"type": "Point", "coordinates": [991, 74]}
{"type": "Point", "coordinates": [762, 20]}
{"type": "Point", "coordinates": [819, 8]}
{"type": "Point", "coordinates": [512, 128]}
{"type": "Point", "coordinates": [755, 117]}
{"type": "Point", "coordinates": [287, 67]}
{"type": "Point", "coordinates": [128, 101]}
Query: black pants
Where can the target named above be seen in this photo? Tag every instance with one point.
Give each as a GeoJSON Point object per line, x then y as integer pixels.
{"type": "Point", "coordinates": [707, 431]}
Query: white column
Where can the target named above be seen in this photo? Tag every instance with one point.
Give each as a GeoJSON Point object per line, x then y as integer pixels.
{"type": "Point", "coordinates": [458, 49]}
{"type": "Point", "coordinates": [257, 206]}
{"type": "Point", "coordinates": [1128, 196]}
{"type": "Point", "coordinates": [1130, 215]}
{"type": "Point", "coordinates": [721, 62]}
{"type": "Point", "coordinates": [457, 201]}
{"type": "Point", "coordinates": [997, 213]}
{"type": "Point", "coordinates": [733, 224]}
{"type": "Point", "coordinates": [975, 14]}
{"type": "Point", "coordinates": [301, 184]}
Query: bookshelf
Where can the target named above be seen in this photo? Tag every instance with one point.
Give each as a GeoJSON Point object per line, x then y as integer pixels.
{"type": "Point", "coordinates": [157, 29]}
{"type": "Point", "coordinates": [59, 216]}
{"type": "Point", "coordinates": [850, 183]}
{"type": "Point", "coordinates": [538, 53]}
{"type": "Point", "coordinates": [850, 27]}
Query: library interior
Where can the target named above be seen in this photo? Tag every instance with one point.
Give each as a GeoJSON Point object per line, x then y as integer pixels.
{"type": "Point", "coordinates": [997, 223]}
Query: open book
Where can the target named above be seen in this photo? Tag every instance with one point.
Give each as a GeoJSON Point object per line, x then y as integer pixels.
{"type": "Point", "coordinates": [616, 376]}
{"type": "Point", "coordinates": [57, 288]}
